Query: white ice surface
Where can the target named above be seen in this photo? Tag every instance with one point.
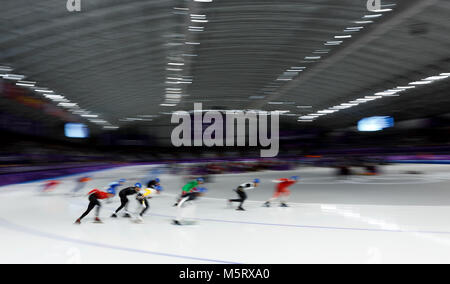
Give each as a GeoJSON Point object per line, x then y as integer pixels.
{"type": "Point", "coordinates": [391, 218]}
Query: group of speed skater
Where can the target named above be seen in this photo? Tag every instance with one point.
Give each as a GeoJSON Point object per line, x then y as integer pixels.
{"type": "Point", "coordinates": [191, 191]}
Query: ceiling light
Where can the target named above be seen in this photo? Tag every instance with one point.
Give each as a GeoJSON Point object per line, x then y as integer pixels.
{"type": "Point", "coordinates": [14, 77]}
{"type": "Point", "coordinates": [26, 84]}
{"type": "Point", "coordinates": [382, 10]}
{"type": "Point", "coordinates": [336, 42]}
{"type": "Point", "coordinates": [434, 78]}
{"type": "Point", "coordinates": [45, 91]}
{"type": "Point", "coordinates": [5, 69]}
{"type": "Point", "coordinates": [343, 36]}
{"type": "Point", "coordinates": [372, 16]}
{"type": "Point", "coordinates": [421, 83]}
{"type": "Point", "coordinates": [68, 105]}
{"type": "Point", "coordinates": [406, 87]}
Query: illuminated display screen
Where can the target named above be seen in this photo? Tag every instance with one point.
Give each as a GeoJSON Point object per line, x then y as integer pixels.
{"type": "Point", "coordinates": [375, 123]}
{"type": "Point", "coordinates": [76, 130]}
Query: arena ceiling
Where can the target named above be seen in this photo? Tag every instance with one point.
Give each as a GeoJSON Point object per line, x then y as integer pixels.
{"type": "Point", "coordinates": [122, 62]}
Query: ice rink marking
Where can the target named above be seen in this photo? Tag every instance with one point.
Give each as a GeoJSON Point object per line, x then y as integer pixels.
{"type": "Point", "coordinates": [290, 225]}
{"type": "Point", "coordinates": [23, 229]}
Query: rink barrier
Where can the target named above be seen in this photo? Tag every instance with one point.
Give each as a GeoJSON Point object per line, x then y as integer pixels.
{"type": "Point", "coordinates": [430, 162]}
{"type": "Point", "coordinates": [40, 174]}
{"type": "Point", "coordinates": [55, 173]}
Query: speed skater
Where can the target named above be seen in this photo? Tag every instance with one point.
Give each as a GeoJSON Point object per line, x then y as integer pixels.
{"type": "Point", "coordinates": [123, 194]}
{"type": "Point", "coordinates": [155, 184]}
{"type": "Point", "coordinates": [94, 196]}
{"type": "Point", "coordinates": [142, 198]}
{"type": "Point", "coordinates": [190, 187]}
{"type": "Point", "coordinates": [186, 199]}
{"type": "Point", "coordinates": [241, 191]}
{"type": "Point", "coordinates": [50, 185]}
{"type": "Point", "coordinates": [282, 190]}
{"type": "Point", "coordinates": [112, 188]}
{"type": "Point", "coordinates": [81, 183]}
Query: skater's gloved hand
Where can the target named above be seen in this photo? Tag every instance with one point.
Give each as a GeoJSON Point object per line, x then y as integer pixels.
{"type": "Point", "coordinates": [159, 188]}
{"type": "Point", "coordinates": [202, 189]}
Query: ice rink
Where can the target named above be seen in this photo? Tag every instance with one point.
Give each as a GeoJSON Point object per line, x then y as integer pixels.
{"type": "Point", "coordinates": [396, 217]}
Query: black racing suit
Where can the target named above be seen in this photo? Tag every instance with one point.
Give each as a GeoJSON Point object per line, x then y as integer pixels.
{"type": "Point", "coordinates": [152, 184]}
{"type": "Point", "coordinates": [242, 196]}
{"type": "Point", "coordinates": [93, 201]}
{"type": "Point", "coordinates": [123, 197]}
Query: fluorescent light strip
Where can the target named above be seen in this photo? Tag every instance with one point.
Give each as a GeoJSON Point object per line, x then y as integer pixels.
{"type": "Point", "coordinates": [421, 83]}
{"type": "Point", "coordinates": [363, 22]}
{"type": "Point", "coordinates": [343, 36]}
{"type": "Point", "coordinates": [382, 10]}
{"type": "Point", "coordinates": [387, 93]}
{"type": "Point", "coordinates": [14, 77]}
{"type": "Point", "coordinates": [5, 69]}
{"type": "Point", "coordinates": [198, 16]}
{"type": "Point", "coordinates": [312, 57]}
{"type": "Point", "coordinates": [372, 16]}
{"type": "Point", "coordinates": [333, 42]}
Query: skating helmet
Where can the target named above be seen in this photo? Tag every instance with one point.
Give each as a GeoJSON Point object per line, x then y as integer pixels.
{"type": "Point", "coordinates": [157, 180]}
{"type": "Point", "coordinates": [294, 178]}
{"type": "Point", "coordinates": [138, 185]}
{"type": "Point", "coordinates": [256, 180]}
{"type": "Point", "coordinates": [200, 179]}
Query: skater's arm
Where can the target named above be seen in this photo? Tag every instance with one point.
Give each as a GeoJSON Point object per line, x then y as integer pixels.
{"type": "Point", "coordinates": [189, 186]}
{"type": "Point", "coordinates": [247, 186]}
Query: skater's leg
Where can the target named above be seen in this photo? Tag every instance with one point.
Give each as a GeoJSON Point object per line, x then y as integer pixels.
{"type": "Point", "coordinates": [180, 210]}
{"type": "Point", "coordinates": [92, 203]}
{"type": "Point", "coordinates": [243, 197]}
{"type": "Point", "coordinates": [126, 208]}
{"type": "Point", "coordinates": [275, 196]}
{"type": "Point", "coordinates": [146, 206]}
{"type": "Point", "coordinates": [97, 212]}
{"type": "Point", "coordinates": [240, 199]}
{"type": "Point", "coordinates": [284, 198]}
{"type": "Point", "coordinates": [89, 209]}
{"type": "Point", "coordinates": [123, 203]}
